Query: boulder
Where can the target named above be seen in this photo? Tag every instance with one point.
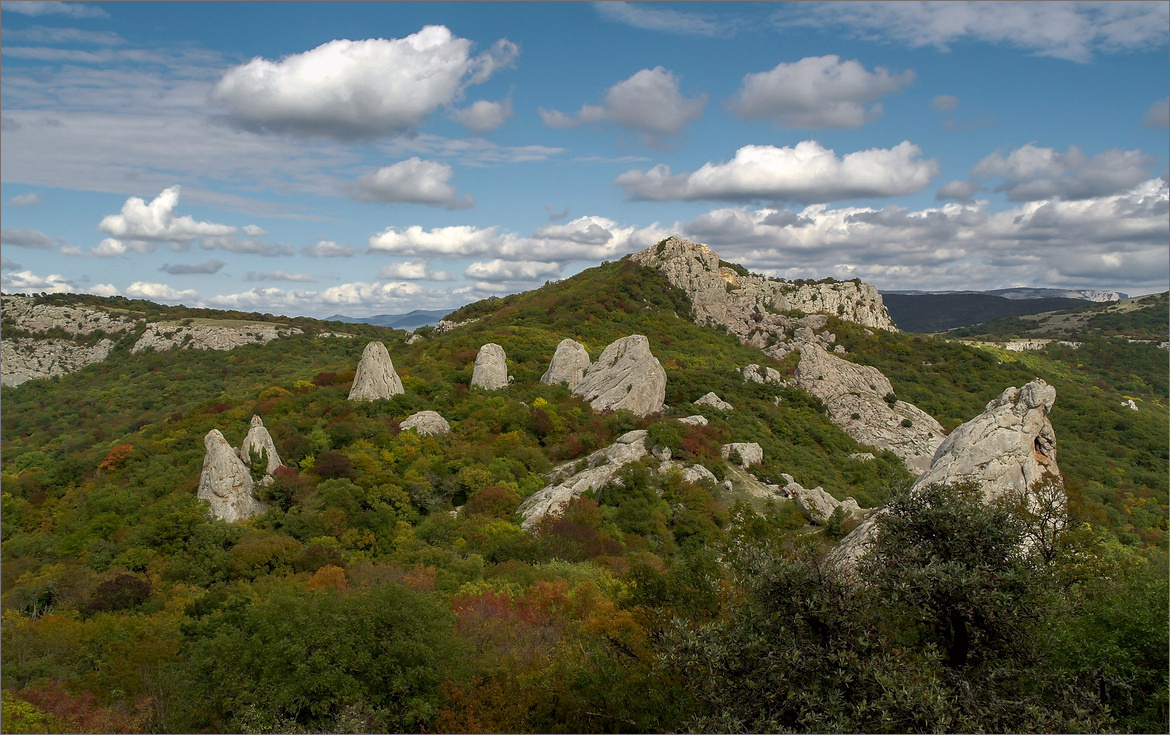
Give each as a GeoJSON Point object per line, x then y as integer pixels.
{"type": "Point", "coordinates": [427, 423]}
{"type": "Point", "coordinates": [695, 420]}
{"type": "Point", "coordinates": [259, 440]}
{"type": "Point", "coordinates": [568, 364]}
{"type": "Point", "coordinates": [750, 453]}
{"type": "Point", "coordinates": [714, 401]}
{"type": "Point", "coordinates": [226, 481]}
{"type": "Point", "coordinates": [491, 368]}
{"type": "Point", "coordinates": [757, 374]}
{"type": "Point", "coordinates": [817, 505]}
{"type": "Point", "coordinates": [626, 376]}
{"type": "Point", "coordinates": [375, 378]}
{"type": "Point", "coordinates": [696, 473]}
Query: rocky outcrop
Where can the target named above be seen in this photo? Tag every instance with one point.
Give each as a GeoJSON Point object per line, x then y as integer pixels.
{"type": "Point", "coordinates": [226, 482]}
{"type": "Point", "coordinates": [260, 441]}
{"type": "Point", "coordinates": [427, 423]}
{"type": "Point", "coordinates": [595, 471]}
{"type": "Point", "coordinates": [28, 316]}
{"type": "Point", "coordinates": [695, 420]}
{"type": "Point", "coordinates": [758, 374]}
{"type": "Point", "coordinates": [625, 376]}
{"type": "Point", "coordinates": [24, 359]}
{"type": "Point", "coordinates": [714, 401]}
{"type": "Point", "coordinates": [375, 378]}
{"type": "Point", "coordinates": [568, 364]}
{"type": "Point", "coordinates": [749, 453]}
{"type": "Point", "coordinates": [169, 335]}
{"type": "Point", "coordinates": [696, 473]}
{"type": "Point", "coordinates": [861, 401]}
{"type": "Point", "coordinates": [817, 505]}
{"type": "Point", "coordinates": [491, 368]}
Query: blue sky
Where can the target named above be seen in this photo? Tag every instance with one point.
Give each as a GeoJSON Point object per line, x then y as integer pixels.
{"type": "Point", "coordinates": [367, 158]}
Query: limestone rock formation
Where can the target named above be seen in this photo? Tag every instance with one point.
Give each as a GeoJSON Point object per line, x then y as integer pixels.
{"type": "Point", "coordinates": [860, 401]}
{"type": "Point", "coordinates": [375, 378]}
{"type": "Point", "coordinates": [259, 440]}
{"type": "Point", "coordinates": [750, 453]}
{"type": "Point", "coordinates": [599, 468]}
{"type": "Point", "coordinates": [24, 359]}
{"type": "Point", "coordinates": [491, 368]}
{"type": "Point", "coordinates": [714, 401]}
{"type": "Point", "coordinates": [626, 376]}
{"type": "Point", "coordinates": [427, 423]}
{"type": "Point", "coordinates": [226, 481]}
{"type": "Point", "coordinates": [168, 335]}
{"type": "Point", "coordinates": [696, 473]}
{"type": "Point", "coordinates": [568, 364]}
{"type": "Point", "coordinates": [756, 374]}
{"type": "Point", "coordinates": [818, 506]}
{"type": "Point", "coordinates": [695, 420]}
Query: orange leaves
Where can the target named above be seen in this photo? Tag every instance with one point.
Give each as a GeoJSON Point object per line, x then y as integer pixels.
{"type": "Point", "coordinates": [116, 457]}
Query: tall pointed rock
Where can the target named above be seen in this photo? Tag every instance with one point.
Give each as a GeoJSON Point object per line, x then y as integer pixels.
{"type": "Point", "coordinates": [260, 441]}
{"type": "Point", "coordinates": [226, 481]}
{"type": "Point", "coordinates": [491, 368]}
{"type": "Point", "coordinates": [375, 378]}
{"type": "Point", "coordinates": [627, 375]}
{"type": "Point", "coordinates": [568, 364]}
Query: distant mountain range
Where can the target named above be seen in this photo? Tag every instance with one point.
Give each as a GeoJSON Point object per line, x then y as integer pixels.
{"type": "Point", "coordinates": [937, 312]}
{"type": "Point", "coordinates": [411, 320]}
{"type": "Point", "coordinates": [1018, 294]}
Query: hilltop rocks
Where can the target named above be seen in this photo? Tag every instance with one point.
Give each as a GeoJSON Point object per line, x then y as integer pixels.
{"type": "Point", "coordinates": [568, 364]}
{"type": "Point", "coordinates": [226, 481]}
{"type": "Point", "coordinates": [24, 359]}
{"type": "Point", "coordinates": [259, 440]}
{"type": "Point", "coordinates": [861, 401]}
{"type": "Point", "coordinates": [167, 335]}
{"type": "Point", "coordinates": [427, 423]}
{"type": "Point", "coordinates": [750, 453]}
{"type": "Point", "coordinates": [491, 368]}
{"type": "Point", "coordinates": [626, 376]}
{"type": "Point", "coordinates": [714, 401]}
{"type": "Point", "coordinates": [375, 378]}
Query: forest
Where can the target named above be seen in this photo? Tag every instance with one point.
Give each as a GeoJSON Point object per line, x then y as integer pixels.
{"type": "Point", "coordinates": [390, 587]}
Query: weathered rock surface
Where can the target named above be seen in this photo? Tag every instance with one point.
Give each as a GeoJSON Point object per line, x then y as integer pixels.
{"type": "Point", "coordinates": [427, 423]}
{"type": "Point", "coordinates": [74, 320]}
{"type": "Point", "coordinates": [695, 473]}
{"type": "Point", "coordinates": [226, 481]}
{"type": "Point", "coordinates": [757, 374]}
{"type": "Point", "coordinates": [855, 396]}
{"type": "Point", "coordinates": [714, 401]}
{"type": "Point", "coordinates": [375, 378]}
{"type": "Point", "coordinates": [750, 453]}
{"type": "Point", "coordinates": [568, 364]}
{"type": "Point", "coordinates": [259, 440]}
{"type": "Point", "coordinates": [598, 468]}
{"type": "Point", "coordinates": [625, 376]}
{"type": "Point", "coordinates": [168, 335]}
{"type": "Point", "coordinates": [817, 505]}
{"type": "Point", "coordinates": [695, 420]}
{"type": "Point", "coordinates": [491, 368]}
{"type": "Point", "coordinates": [25, 358]}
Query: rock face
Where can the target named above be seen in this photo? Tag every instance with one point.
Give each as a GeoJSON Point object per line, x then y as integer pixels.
{"type": "Point", "coordinates": [226, 481]}
{"type": "Point", "coordinates": [817, 505]}
{"type": "Point", "coordinates": [375, 378]}
{"type": "Point", "coordinates": [599, 468]}
{"type": "Point", "coordinates": [757, 374]}
{"type": "Point", "coordinates": [427, 423]}
{"type": "Point", "coordinates": [626, 376]}
{"type": "Point", "coordinates": [750, 453]}
{"type": "Point", "coordinates": [695, 420]}
{"type": "Point", "coordinates": [714, 401]}
{"type": "Point", "coordinates": [26, 359]}
{"type": "Point", "coordinates": [856, 396]}
{"type": "Point", "coordinates": [491, 368]}
{"type": "Point", "coordinates": [168, 335]}
{"type": "Point", "coordinates": [568, 364]}
{"type": "Point", "coordinates": [259, 440]}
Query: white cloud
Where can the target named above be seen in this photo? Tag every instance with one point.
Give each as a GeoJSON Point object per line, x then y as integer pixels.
{"type": "Point", "coordinates": [483, 116]}
{"type": "Point", "coordinates": [207, 268]}
{"type": "Point", "coordinates": [1072, 31]}
{"type": "Point", "coordinates": [945, 103]}
{"type": "Point", "coordinates": [254, 231]}
{"type": "Point", "coordinates": [24, 200]}
{"type": "Point", "coordinates": [805, 173]}
{"type": "Point", "coordinates": [161, 292]}
{"type": "Point", "coordinates": [279, 276]}
{"type": "Point", "coordinates": [250, 245]}
{"type": "Point", "coordinates": [353, 90]}
{"type": "Point", "coordinates": [649, 103]}
{"type": "Point", "coordinates": [48, 34]}
{"type": "Point", "coordinates": [414, 181]}
{"type": "Point", "coordinates": [521, 270]}
{"type": "Point", "coordinates": [103, 289]}
{"type": "Point", "coordinates": [413, 270]}
{"type": "Point", "coordinates": [23, 237]}
{"type": "Point", "coordinates": [957, 189]}
{"type": "Point", "coordinates": [453, 241]}
{"type": "Point", "coordinates": [1032, 173]}
{"type": "Point", "coordinates": [141, 226]}
{"type": "Point", "coordinates": [467, 151]}
{"type": "Point", "coordinates": [647, 17]}
{"type": "Point", "coordinates": [357, 299]}
{"type": "Point", "coordinates": [55, 7]}
{"type": "Point", "coordinates": [328, 249]}
{"type": "Point", "coordinates": [28, 282]}
{"type": "Point", "coordinates": [1158, 116]}
{"type": "Point", "coordinates": [112, 248]}
{"type": "Point", "coordinates": [817, 92]}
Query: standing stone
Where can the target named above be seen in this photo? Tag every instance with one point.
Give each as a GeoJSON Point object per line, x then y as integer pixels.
{"type": "Point", "coordinates": [491, 368]}
{"type": "Point", "coordinates": [427, 423]}
{"type": "Point", "coordinates": [259, 440]}
{"type": "Point", "coordinates": [375, 378]}
{"type": "Point", "coordinates": [627, 375]}
{"type": "Point", "coordinates": [568, 364]}
{"type": "Point", "coordinates": [226, 481]}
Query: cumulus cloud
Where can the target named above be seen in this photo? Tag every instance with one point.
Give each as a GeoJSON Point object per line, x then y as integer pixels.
{"type": "Point", "coordinates": [24, 200]}
{"type": "Point", "coordinates": [1032, 173]}
{"type": "Point", "coordinates": [412, 270]}
{"type": "Point", "coordinates": [328, 249]}
{"type": "Point", "coordinates": [647, 17]}
{"type": "Point", "coordinates": [359, 299]}
{"type": "Point", "coordinates": [55, 7]}
{"type": "Point", "coordinates": [414, 181]}
{"type": "Point", "coordinates": [453, 241]}
{"type": "Point", "coordinates": [519, 270]}
{"type": "Point", "coordinates": [1072, 31]}
{"type": "Point", "coordinates": [483, 116]}
{"type": "Point", "coordinates": [206, 268]}
{"type": "Point", "coordinates": [1158, 116]}
{"type": "Point", "coordinates": [279, 276]}
{"type": "Point", "coordinates": [355, 90]}
{"type": "Point", "coordinates": [161, 292]}
{"type": "Point", "coordinates": [28, 282]}
{"type": "Point", "coordinates": [805, 173]}
{"type": "Point", "coordinates": [23, 237]}
{"type": "Point", "coordinates": [648, 103]}
{"type": "Point", "coordinates": [945, 103]}
{"type": "Point", "coordinates": [141, 226]}
{"type": "Point", "coordinates": [817, 92]}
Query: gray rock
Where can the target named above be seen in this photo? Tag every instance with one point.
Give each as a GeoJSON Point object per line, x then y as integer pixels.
{"type": "Point", "coordinates": [714, 401]}
{"type": "Point", "coordinates": [863, 456]}
{"type": "Point", "coordinates": [163, 336]}
{"type": "Point", "coordinates": [695, 420]}
{"type": "Point", "coordinates": [626, 376]}
{"type": "Point", "coordinates": [568, 364]}
{"type": "Point", "coordinates": [1130, 404]}
{"type": "Point", "coordinates": [427, 423]}
{"type": "Point", "coordinates": [816, 504]}
{"type": "Point", "coordinates": [375, 378]}
{"type": "Point", "coordinates": [226, 482]}
{"type": "Point", "coordinates": [758, 374]}
{"type": "Point", "coordinates": [23, 358]}
{"type": "Point", "coordinates": [750, 453]}
{"type": "Point", "coordinates": [491, 368]}
{"type": "Point", "coordinates": [696, 473]}
{"type": "Point", "coordinates": [259, 440]}
{"type": "Point", "coordinates": [662, 454]}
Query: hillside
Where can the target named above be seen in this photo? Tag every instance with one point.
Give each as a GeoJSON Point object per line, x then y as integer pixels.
{"type": "Point", "coordinates": [390, 585]}
{"type": "Point", "coordinates": [1138, 318]}
{"type": "Point", "coordinates": [940, 312]}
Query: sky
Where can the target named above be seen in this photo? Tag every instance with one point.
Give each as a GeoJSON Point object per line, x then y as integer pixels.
{"type": "Point", "coordinates": [304, 158]}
